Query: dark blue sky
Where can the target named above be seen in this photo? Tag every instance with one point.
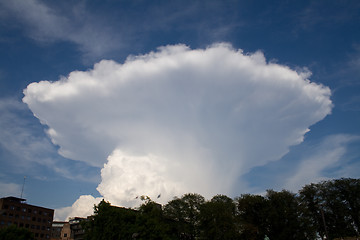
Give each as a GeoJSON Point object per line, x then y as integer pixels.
{"type": "Point", "coordinates": [45, 40]}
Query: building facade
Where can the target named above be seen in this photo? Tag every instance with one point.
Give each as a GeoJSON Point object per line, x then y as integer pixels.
{"type": "Point", "coordinates": [15, 211]}
{"type": "Point", "coordinates": [71, 230]}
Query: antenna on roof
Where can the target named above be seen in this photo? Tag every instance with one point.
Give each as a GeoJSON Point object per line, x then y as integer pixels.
{"type": "Point", "coordinates": [22, 190]}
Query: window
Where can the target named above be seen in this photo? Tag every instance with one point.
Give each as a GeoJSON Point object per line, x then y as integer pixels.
{"type": "Point", "coordinates": [26, 225]}
{"type": "Point", "coordinates": [24, 209]}
{"type": "Point", "coordinates": [65, 234]}
{"type": "Point", "coordinates": [12, 208]}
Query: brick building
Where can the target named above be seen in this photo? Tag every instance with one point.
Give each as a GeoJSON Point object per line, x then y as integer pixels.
{"type": "Point", "coordinates": [71, 230]}
{"type": "Point", "coordinates": [15, 211]}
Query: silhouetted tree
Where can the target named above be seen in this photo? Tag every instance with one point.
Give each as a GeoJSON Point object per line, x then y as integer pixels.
{"type": "Point", "coordinates": [218, 219]}
{"type": "Point", "coordinates": [334, 206]}
{"type": "Point", "coordinates": [186, 211]}
{"type": "Point", "coordinates": [109, 222]}
{"type": "Point", "coordinates": [252, 210]}
{"type": "Point", "coordinates": [286, 218]}
{"type": "Point", "coordinates": [15, 233]}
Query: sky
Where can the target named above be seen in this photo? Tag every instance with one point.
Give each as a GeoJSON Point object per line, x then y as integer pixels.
{"type": "Point", "coordinates": [118, 99]}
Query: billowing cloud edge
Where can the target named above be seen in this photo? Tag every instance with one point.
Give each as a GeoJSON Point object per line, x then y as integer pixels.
{"type": "Point", "coordinates": [182, 119]}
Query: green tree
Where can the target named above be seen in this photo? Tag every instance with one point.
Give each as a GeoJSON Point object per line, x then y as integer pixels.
{"type": "Point", "coordinates": [15, 233]}
{"type": "Point", "coordinates": [310, 199]}
{"type": "Point", "coordinates": [252, 215]}
{"type": "Point", "coordinates": [109, 222]}
{"type": "Point", "coordinates": [218, 219]}
{"type": "Point", "coordinates": [348, 192]}
{"type": "Point", "coordinates": [151, 225]}
{"type": "Point", "coordinates": [286, 218]}
{"type": "Point", "coordinates": [186, 212]}
{"type": "Point", "coordinates": [334, 206]}
{"type": "Point", "coordinates": [175, 212]}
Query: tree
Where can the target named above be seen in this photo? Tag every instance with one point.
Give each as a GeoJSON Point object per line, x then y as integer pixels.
{"type": "Point", "coordinates": [186, 211]}
{"type": "Point", "coordinates": [252, 216]}
{"type": "Point", "coordinates": [334, 206]}
{"type": "Point", "coordinates": [150, 222]}
{"type": "Point", "coordinates": [175, 212]}
{"type": "Point", "coordinates": [15, 233]}
{"type": "Point", "coordinates": [109, 222]}
{"type": "Point", "coordinates": [218, 219]}
{"type": "Point", "coordinates": [348, 192]}
{"type": "Point", "coordinates": [310, 199]}
{"type": "Point", "coordinates": [286, 218]}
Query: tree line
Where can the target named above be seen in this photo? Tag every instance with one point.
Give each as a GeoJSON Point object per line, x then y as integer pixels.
{"type": "Point", "coordinates": [325, 210]}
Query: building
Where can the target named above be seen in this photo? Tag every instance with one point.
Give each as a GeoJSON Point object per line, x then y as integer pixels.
{"type": "Point", "coordinates": [15, 211]}
{"type": "Point", "coordinates": [56, 230]}
{"type": "Point", "coordinates": [77, 232]}
{"type": "Point", "coordinates": [71, 230]}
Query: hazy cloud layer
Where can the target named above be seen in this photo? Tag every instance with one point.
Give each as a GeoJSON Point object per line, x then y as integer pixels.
{"type": "Point", "coordinates": [45, 24]}
{"type": "Point", "coordinates": [9, 189]}
{"type": "Point", "coordinates": [26, 146]}
{"type": "Point", "coordinates": [17, 137]}
{"type": "Point", "coordinates": [328, 154]}
{"type": "Point", "coordinates": [178, 120]}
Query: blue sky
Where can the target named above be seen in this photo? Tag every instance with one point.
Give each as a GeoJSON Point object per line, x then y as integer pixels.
{"type": "Point", "coordinates": [115, 99]}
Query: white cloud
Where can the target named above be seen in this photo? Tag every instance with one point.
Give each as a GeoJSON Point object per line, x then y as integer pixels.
{"type": "Point", "coordinates": [328, 154]}
{"type": "Point", "coordinates": [197, 119]}
{"type": "Point", "coordinates": [82, 207]}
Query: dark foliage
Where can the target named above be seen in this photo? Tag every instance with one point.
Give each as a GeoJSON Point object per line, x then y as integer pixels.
{"type": "Point", "coordinates": [329, 208]}
{"type": "Point", "coordinates": [15, 233]}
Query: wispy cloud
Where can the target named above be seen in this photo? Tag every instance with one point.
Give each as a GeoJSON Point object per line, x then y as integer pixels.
{"type": "Point", "coordinates": [46, 24]}
{"type": "Point", "coordinates": [327, 14]}
{"type": "Point", "coordinates": [98, 36]}
{"type": "Point", "coordinates": [22, 137]}
{"type": "Point", "coordinates": [329, 153]}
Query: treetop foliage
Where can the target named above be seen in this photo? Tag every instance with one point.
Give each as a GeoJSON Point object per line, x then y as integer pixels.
{"type": "Point", "coordinates": [326, 210]}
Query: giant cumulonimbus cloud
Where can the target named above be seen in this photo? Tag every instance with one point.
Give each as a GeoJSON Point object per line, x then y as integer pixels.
{"type": "Point", "coordinates": [178, 119]}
